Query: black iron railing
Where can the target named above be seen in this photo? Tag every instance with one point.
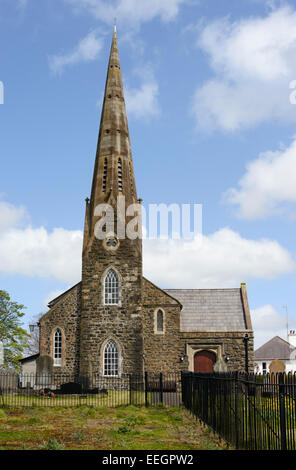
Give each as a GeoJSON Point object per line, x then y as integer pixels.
{"type": "Point", "coordinates": [95, 390]}
{"type": "Point", "coordinates": [249, 411]}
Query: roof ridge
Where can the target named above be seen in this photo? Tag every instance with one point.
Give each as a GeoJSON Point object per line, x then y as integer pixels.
{"type": "Point", "coordinates": [209, 288]}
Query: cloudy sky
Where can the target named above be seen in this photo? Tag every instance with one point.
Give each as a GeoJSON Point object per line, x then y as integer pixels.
{"type": "Point", "coordinates": [210, 87]}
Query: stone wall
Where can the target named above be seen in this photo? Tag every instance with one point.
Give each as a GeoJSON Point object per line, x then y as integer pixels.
{"type": "Point", "coordinates": [122, 322]}
{"type": "Point", "coordinates": [223, 343]}
{"type": "Point", "coordinates": [134, 329]}
{"type": "Point", "coordinates": [163, 350]}
{"type": "Point", "coordinates": [65, 315]}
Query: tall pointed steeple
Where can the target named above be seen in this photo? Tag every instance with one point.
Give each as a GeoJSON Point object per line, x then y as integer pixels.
{"type": "Point", "coordinates": [113, 172]}
{"type": "Point", "coordinates": [112, 255]}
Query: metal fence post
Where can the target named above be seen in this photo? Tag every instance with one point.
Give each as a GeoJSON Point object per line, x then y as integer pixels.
{"type": "Point", "coordinates": [182, 387]}
{"type": "Point", "coordinates": [206, 399]}
{"type": "Point", "coordinates": [282, 413]}
{"type": "Point", "coordinates": [236, 409]}
{"type": "Point", "coordinates": [130, 389]}
{"type": "Point", "coordinates": [160, 388]}
{"type": "Point", "coordinates": [146, 388]}
{"type": "Point", "coordinates": [2, 396]}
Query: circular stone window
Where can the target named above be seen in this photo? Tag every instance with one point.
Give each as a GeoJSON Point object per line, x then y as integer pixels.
{"type": "Point", "coordinates": [111, 242]}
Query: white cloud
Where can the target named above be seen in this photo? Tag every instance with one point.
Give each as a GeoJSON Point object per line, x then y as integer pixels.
{"type": "Point", "coordinates": [142, 102]}
{"type": "Point", "coordinates": [223, 259]}
{"type": "Point", "coordinates": [129, 11]}
{"type": "Point", "coordinates": [86, 50]}
{"type": "Point", "coordinates": [268, 185]}
{"type": "Point", "coordinates": [267, 323]}
{"type": "Point", "coordinates": [11, 216]}
{"type": "Point", "coordinates": [254, 62]}
{"type": "Point", "coordinates": [39, 253]}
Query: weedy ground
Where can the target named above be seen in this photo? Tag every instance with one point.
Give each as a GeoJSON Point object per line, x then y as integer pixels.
{"type": "Point", "coordinates": [87, 428]}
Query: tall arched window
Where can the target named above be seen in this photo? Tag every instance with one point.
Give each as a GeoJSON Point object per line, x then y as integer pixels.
{"type": "Point", "coordinates": [159, 321]}
{"type": "Point", "coordinates": [119, 175]}
{"type": "Point", "coordinates": [105, 175]}
{"type": "Point", "coordinates": [57, 348]}
{"type": "Point", "coordinates": [111, 291]}
{"type": "Point", "coordinates": [111, 359]}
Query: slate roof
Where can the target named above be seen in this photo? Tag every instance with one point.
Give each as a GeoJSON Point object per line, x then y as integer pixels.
{"type": "Point", "coordinates": [29, 358]}
{"type": "Point", "coordinates": [276, 348]}
{"type": "Point", "coordinates": [210, 309]}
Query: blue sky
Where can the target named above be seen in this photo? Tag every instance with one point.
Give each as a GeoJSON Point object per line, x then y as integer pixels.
{"type": "Point", "coordinates": [211, 122]}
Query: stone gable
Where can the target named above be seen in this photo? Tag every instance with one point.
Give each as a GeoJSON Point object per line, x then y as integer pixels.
{"type": "Point", "coordinates": [65, 315]}
{"type": "Point", "coordinates": [153, 295]}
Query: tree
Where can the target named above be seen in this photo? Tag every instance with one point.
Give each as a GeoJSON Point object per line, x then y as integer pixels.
{"type": "Point", "coordinates": [12, 335]}
{"type": "Point", "coordinates": [33, 342]}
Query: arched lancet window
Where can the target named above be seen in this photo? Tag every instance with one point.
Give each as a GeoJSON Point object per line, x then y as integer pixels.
{"type": "Point", "coordinates": [159, 321]}
{"type": "Point", "coordinates": [111, 359]}
{"type": "Point", "coordinates": [57, 348]}
{"type": "Point", "coordinates": [111, 291]}
{"type": "Point", "coordinates": [105, 175]}
{"type": "Point", "coordinates": [119, 175]}
{"type": "Point", "coordinates": [131, 180]}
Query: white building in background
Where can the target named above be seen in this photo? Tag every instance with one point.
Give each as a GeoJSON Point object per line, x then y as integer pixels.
{"type": "Point", "coordinates": [1, 353]}
{"type": "Point", "coordinates": [277, 349]}
{"type": "Point", "coordinates": [28, 379]}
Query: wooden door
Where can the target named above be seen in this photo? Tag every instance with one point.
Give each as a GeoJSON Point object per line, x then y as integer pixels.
{"type": "Point", "coordinates": [204, 361]}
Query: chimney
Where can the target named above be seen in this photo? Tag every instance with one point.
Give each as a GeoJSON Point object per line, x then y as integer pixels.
{"type": "Point", "coordinates": [292, 338]}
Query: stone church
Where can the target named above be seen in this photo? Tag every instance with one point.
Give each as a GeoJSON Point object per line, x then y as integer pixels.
{"type": "Point", "coordinates": [115, 321]}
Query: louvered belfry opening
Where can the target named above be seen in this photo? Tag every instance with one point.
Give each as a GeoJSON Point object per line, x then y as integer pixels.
{"type": "Point", "coordinates": [119, 175]}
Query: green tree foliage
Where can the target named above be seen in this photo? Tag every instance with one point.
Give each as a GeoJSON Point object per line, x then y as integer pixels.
{"type": "Point", "coordinates": [12, 335]}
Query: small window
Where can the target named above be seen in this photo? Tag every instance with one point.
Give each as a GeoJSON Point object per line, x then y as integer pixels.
{"type": "Point", "coordinates": [111, 359]}
{"type": "Point", "coordinates": [111, 294]}
{"type": "Point", "coordinates": [264, 368]}
{"type": "Point", "coordinates": [119, 175]}
{"type": "Point", "coordinates": [57, 354]}
{"type": "Point", "coordinates": [131, 179]}
{"type": "Point", "coordinates": [159, 321]}
{"type": "Point", "coordinates": [105, 176]}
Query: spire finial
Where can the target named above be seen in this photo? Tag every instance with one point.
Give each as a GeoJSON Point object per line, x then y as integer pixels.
{"type": "Point", "coordinates": [114, 31]}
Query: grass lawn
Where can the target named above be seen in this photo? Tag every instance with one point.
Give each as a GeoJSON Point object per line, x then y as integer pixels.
{"type": "Point", "coordinates": [88, 428]}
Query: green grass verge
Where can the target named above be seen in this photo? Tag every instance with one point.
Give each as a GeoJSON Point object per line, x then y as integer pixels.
{"type": "Point", "coordinates": [89, 428]}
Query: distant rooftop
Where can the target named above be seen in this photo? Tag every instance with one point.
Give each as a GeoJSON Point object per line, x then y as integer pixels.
{"type": "Point", "coordinates": [276, 348]}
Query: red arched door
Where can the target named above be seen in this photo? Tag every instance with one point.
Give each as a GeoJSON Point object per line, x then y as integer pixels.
{"type": "Point", "coordinates": [204, 361]}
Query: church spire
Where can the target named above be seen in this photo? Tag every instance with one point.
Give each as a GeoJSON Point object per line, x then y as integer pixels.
{"type": "Point", "coordinates": [113, 172]}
